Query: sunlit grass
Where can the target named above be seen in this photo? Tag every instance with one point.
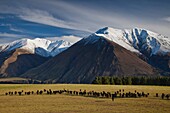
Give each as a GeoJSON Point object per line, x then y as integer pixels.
{"type": "Point", "coordinates": [79, 104]}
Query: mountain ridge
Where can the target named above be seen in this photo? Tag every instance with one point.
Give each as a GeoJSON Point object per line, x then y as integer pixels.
{"type": "Point", "coordinates": [21, 55]}
{"type": "Point", "coordinates": [43, 47]}
{"type": "Point", "coordinates": [138, 38]}
{"type": "Point", "coordinates": [84, 61]}
{"type": "Point", "coordinates": [148, 53]}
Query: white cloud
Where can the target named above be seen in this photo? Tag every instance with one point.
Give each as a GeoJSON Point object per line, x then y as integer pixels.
{"type": "Point", "coordinates": [11, 35]}
{"type": "Point", "coordinates": [71, 38]}
{"type": "Point", "coordinates": [43, 17]}
{"type": "Point", "coordinates": [5, 25]}
{"type": "Point", "coordinates": [82, 17]}
{"type": "Point", "coordinates": [167, 19]}
{"type": "Point", "coordinates": [16, 30]}
{"type": "Point", "coordinates": [8, 37]}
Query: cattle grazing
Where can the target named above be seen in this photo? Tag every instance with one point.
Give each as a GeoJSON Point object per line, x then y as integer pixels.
{"type": "Point", "coordinates": [123, 95]}
{"type": "Point", "coordinates": [41, 92]}
{"type": "Point", "coordinates": [28, 93]}
{"type": "Point", "coordinates": [50, 91]}
{"type": "Point", "coordinates": [113, 97]}
{"type": "Point", "coordinates": [120, 93]}
{"type": "Point", "coordinates": [157, 95]}
{"type": "Point", "coordinates": [163, 95]}
{"type": "Point", "coordinates": [167, 96]}
{"type": "Point", "coordinates": [45, 90]}
{"type": "Point", "coordinates": [19, 93]}
{"type": "Point", "coordinates": [37, 92]}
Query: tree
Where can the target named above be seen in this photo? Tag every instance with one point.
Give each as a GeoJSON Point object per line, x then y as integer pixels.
{"type": "Point", "coordinates": [124, 81]}
{"type": "Point", "coordinates": [118, 81]}
{"type": "Point", "coordinates": [97, 80]}
{"type": "Point", "coordinates": [105, 80]}
{"type": "Point", "coordinates": [112, 81]}
{"type": "Point", "coordinates": [143, 80]}
{"type": "Point", "coordinates": [128, 81]}
{"type": "Point", "coordinates": [137, 80]}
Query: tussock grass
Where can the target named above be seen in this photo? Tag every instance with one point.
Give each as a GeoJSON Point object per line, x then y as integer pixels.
{"type": "Point", "coordinates": [78, 104]}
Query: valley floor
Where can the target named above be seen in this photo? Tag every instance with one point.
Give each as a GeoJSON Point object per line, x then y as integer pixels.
{"type": "Point", "coordinates": [78, 104]}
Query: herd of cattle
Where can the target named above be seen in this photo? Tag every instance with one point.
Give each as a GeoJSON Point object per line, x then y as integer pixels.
{"type": "Point", "coordinates": [118, 94]}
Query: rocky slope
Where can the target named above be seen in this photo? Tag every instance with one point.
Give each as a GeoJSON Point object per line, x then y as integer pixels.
{"type": "Point", "coordinates": [88, 58]}
{"type": "Point", "coordinates": [20, 56]}
{"type": "Point", "coordinates": [154, 47]}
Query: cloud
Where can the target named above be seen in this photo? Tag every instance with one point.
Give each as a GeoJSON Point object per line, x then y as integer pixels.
{"type": "Point", "coordinates": [71, 38]}
{"type": "Point", "coordinates": [3, 35]}
{"type": "Point", "coordinates": [167, 19]}
{"type": "Point", "coordinates": [15, 29]}
{"type": "Point", "coordinates": [92, 15]}
{"type": "Point", "coordinates": [9, 37]}
{"type": "Point", "coordinates": [9, 25]}
{"type": "Point", "coordinates": [43, 17]}
{"type": "Point", "coordinates": [6, 38]}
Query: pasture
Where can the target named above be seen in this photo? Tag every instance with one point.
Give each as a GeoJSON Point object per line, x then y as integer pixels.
{"type": "Point", "coordinates": [66, 103]}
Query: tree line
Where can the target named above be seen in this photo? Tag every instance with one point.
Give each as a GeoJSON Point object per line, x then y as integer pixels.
{"type": "Point", "coordinates": [140, 80]}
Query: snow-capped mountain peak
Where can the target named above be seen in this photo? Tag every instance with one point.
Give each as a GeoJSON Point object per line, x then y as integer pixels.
{"type": "Point", "coordinates": [117, 36]}
{"type": "Point", "coordinates": [136, 40]}
{"type": "Point", "coordinates": [39, 46]}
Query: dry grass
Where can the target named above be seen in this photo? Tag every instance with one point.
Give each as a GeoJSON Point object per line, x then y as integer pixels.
{"type": "Point", "coordinates": [11, 79]}
{"type": "Point", "coordinates": [76, 104]}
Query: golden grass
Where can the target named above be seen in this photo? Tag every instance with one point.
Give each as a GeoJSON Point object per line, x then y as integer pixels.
{"type": "Point", "coordinates": [11, 79]}
{"type": "Point", "coordinates": [78, 104]}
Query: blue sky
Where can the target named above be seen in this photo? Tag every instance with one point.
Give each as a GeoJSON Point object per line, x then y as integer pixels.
{"type": "Point", "coordinates": [47, 18]}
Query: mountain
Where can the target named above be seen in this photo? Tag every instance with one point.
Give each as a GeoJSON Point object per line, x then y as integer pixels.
{"type": "Point", "coordinates": [11, 30]}
{"type": "Point", "coordinates": [104, 53]}
{"type": "Point", "coordinates": [42, 47]}
{"type": "Point", "coordinates": [137, 40]}
{"type": "Point", "coordinates": [153, 46]}
{"type": "Point", "coordinates": [19, 56]}
{"type": "Point", "coordinates": [107, 52]}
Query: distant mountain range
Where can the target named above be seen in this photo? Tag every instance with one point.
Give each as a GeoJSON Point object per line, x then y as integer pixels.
{"type": "Point", "coordinates": [19, 56]}
{"type": "Point", "coordinates": [107, 52]}
{"type": "Point", "coordinates": [42, 47]}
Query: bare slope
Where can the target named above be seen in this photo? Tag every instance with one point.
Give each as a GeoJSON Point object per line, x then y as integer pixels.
{"type": "Point", "coordinates": [19, 61]}
{"type": "Point", "coordinates": [90, 57]}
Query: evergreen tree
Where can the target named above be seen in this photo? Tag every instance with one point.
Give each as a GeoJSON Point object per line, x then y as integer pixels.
{"type": "Point", "coordinates": [124, 81]}
{"type": "Point", "coordinates": [135, 80]}
{"type": "Point", "coordinates": [143, 80]}
{"type": "Point", "coordinates": [159, 80]}
{"type": "Point", "coordinates": [118, 81]}
{"type": "Point", "coordinates": [97, 80]}
{"type": "Point", "coordinates": [112, 81]}
{"type": "Point", "coordinates": [128, 81]}
{"type": "Point", "coordinates": [105, 80]}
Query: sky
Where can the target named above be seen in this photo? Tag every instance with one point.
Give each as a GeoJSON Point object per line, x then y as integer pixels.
{"type": "Point", "coordinates": [79, 18]}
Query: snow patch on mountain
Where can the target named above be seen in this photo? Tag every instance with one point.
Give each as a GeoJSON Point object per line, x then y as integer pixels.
{"type": "Point", "coordinates": [136, 40]}
{"type": "Point", "coordinates": [38, 46]}
{"type": "Point", "coordinates": [117, 36]}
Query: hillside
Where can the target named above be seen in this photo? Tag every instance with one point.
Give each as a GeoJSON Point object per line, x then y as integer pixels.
{"type": "Point", "coordinates": [88, 58]}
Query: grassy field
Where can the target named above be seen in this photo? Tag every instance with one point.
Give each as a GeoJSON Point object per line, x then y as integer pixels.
{"type": "Point", "coordinates": [11, 79]}
{"type": "Point", "coordinates": [79, 104]}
